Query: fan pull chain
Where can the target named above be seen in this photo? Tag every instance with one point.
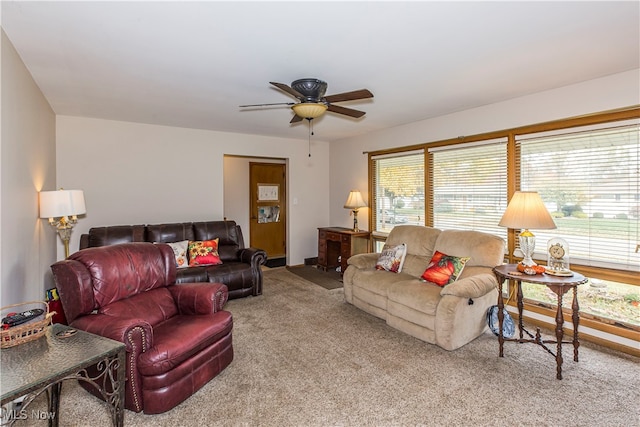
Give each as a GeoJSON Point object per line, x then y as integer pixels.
{"type": "Point", "coordinates": [310, 133]}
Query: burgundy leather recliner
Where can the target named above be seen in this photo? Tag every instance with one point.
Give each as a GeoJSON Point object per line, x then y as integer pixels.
{"type": "Point", "coordinates": [177, 337]}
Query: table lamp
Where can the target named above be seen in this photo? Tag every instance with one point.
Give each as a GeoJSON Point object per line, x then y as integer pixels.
{"type": "Point", "coordinates": [355, 202]}
{"type": "Point", "coordinates": [526, 210]}
{"type": "Point", "coordinates": [62, 208]}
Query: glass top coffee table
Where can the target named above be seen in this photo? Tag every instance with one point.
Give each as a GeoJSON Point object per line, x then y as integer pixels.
{"type": "Point", "coordinates": [39, 366]}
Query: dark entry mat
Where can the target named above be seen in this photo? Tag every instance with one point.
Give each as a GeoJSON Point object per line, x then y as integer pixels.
{"type": "Point", "coordinates": [327, 279]}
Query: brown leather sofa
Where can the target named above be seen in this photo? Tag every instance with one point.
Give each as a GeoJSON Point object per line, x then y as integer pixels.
{"type": "Point", "coordinates": [177, 337]}
{"type": "Point", "coordinates": [240, 269]}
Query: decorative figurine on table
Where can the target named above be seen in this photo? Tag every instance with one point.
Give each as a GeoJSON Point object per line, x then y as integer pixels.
{"type": "Point", "coordinates": [531, 270]}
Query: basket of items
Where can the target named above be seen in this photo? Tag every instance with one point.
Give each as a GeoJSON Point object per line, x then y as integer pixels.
{"type": "Point", "coordinates": [24, 322]}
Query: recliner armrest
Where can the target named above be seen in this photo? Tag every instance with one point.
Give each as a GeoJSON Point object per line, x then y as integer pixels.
{"type": "Point", "coordinates": [472, 286]}
{"type": "Point", "coordinates": [132, 332]}
{"type": "Point", "coordinates": [364, 261]}
{"type": "Point", "coordinates": [254, 256]}
{"type": "Point", "coordinates": [199, 298]}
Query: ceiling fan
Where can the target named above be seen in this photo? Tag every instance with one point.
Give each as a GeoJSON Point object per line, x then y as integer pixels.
{"type": "Point", "coordinates": [310, 92]}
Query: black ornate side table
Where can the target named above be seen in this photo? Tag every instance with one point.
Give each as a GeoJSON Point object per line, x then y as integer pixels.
{"type": "Point", "coordinates": [559, 286]}
{"type": "Point", "coordinates": [41, 365]}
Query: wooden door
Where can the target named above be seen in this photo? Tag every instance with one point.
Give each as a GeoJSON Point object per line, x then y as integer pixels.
{"type": "Point", "coordinates": [268, 217]}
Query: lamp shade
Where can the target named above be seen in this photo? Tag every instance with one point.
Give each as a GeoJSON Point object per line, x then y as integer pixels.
{"type": "Point", "coordinates": [309, 110]}
{"type": "Point", "coordinates": [355, 200]}
{"type": "Point", "coordinates": [56, 204]}
{"type": "Point", "coordinates": [526, 210]}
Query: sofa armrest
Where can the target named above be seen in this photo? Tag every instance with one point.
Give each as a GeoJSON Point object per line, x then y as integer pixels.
{"type": "Point", "coordinates": [363, 261]}
{"type": "Point", "coordinates": [136, 334]}
{"type": "Point", "coordinates": [472, 286]}
{"type": "Point", "coordinates": [199, 298]}
{"type": "Point", "coordinates": [254, 256]}
{"type": "Point", "coordinates": [84, 241]}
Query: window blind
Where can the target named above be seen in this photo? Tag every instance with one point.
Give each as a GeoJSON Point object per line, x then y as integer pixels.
{"type": "Point", "coordinates": [469, 184]}
{"type": "Point", "coordinates": [398, 189]}
{"type": "Point", "coordinates": [589, 181]}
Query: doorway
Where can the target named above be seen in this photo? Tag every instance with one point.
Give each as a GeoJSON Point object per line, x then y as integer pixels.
{"type": "Point", "coordinates": [268, 210]}
{"type": "Point", "coordinates": [237, 198]}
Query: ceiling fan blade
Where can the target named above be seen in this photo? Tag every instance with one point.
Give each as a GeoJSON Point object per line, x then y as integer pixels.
{"type": "Point", "coordinates": [267, 105]}
{"type": "Point", "coordinates": [288, 89]}
{"type": "Point", "coordinates": [296, 118]}
{"type": "Point", "coordinates": [346, 111]}
{"type": "Point", "coordinates": [349, 96]}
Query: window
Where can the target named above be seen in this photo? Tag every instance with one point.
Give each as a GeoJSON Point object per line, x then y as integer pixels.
{"type": "Point", "coordinates": [398, 189]}
{"type": "Point", "coordinates": [470, 186]}
{"type": "Point", "coordinates": [590, 183]}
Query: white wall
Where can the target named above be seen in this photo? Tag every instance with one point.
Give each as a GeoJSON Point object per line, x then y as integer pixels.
{"type": "Point", "coordinates": [349, 165]}
{"type": "Point", "coordinates": [27, 157]}
{"type": "Point", "coordinates": [135, 173]}
{"type": "Point", "coordinates": [236, 185]}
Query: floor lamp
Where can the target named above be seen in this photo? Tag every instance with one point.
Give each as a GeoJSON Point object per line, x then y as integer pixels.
{"type": "Point", "coordinates": [62, 208]}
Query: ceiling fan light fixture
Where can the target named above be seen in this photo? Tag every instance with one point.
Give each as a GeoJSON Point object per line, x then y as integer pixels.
{"type": "Point", "coordinates": [309, 110]}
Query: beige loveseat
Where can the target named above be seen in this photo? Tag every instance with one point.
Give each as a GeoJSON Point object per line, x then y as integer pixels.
{"type": "Point", "coordinates": [449, 317]}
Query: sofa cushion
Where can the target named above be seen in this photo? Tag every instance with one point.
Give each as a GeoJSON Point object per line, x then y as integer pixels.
{"type": "Point", "coordinates": [484, 249]}
{"type": "Point", "coordinates": [113, 235]}
{"type": "Point", "coordinates": [371, 287]}
{"type": "Point", "coordinates": [228, 233]}
{"type": "Point", "coordinates": [391, 258]}
{"type": "Point", "coordinates": [174, 232]}
{"type": "Point", "coordinates": [378, 281]}
{"type": "Point", "coordinates": [236, 275]}
{"type": "Point", "coordinates": [154, 306]}
{"type": "Point", "coordinates": [119, 271]}
{"type": "Point", "coordinates": [180, 337]}
{"type": "Point", "coordinates": [204, 252]}
{"type": "Point", "coordinates": [444, 269]}
{"type": "Point", "coordinates": [192, 274]}
{"type": "Point", "coordinates": [415, 294]}
{"type": "Point", "coordinates": [420, 240]}
{"type": "Point", "coordinates": [414, 265]}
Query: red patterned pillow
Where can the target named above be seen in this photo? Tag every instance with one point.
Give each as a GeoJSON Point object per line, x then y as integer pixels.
{"type": "Point", "coordinates": [444, 269]}
{"type": "Point", "coordinates": [204, 252]}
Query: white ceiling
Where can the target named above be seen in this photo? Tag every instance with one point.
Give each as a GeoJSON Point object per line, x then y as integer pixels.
{"type": "Point", "coordinates": [191, 64]}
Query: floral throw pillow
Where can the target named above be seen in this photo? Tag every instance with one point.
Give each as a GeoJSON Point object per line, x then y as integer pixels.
{"type": "Point", "coordinates": [204, 252]}
{"type": "Point", "coordinates": [444, 269]}
{"type": "Point", "coordinates": [392, 258]}
{"type": "Point", "coordinates": [180, 252]}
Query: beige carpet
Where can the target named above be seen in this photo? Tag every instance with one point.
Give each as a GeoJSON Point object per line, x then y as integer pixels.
{"type": "Point", "coordinates": [306, 358]}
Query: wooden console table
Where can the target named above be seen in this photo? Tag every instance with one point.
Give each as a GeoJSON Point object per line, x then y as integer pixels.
{"type": "Point", "coordinates": [339, 242]}
{"type": "Point", "coordinates": [559, 286]}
